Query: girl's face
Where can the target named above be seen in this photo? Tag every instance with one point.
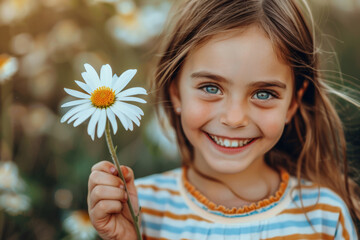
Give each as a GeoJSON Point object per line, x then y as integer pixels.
{"type": "Point", "coordinates": [235, 96]}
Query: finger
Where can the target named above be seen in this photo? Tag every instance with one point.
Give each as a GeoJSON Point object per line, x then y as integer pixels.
{"type": "Point", "coordinates": [102, 178]}
{"type": "Point", "coordinates": [101, 192]}
{"type": "Point", "coordinates": [105, 166]}
{"type": "Point", "coordinates": [105, 207]}
{"type": "Point", "coordinates": [130, 184]}
{"type": "Point", "coordinates": [129, 178]}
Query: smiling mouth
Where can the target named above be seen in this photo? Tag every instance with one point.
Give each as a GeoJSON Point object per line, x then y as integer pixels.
{"type": "Point", "coordinates": [230, 143]}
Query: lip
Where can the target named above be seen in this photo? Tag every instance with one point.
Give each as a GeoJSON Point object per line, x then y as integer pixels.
{"type": "Point", "coordinates": [227, 150]}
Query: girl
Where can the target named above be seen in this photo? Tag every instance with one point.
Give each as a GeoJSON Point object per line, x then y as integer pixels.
{"type": "Point", "coordinates": [262, 147]}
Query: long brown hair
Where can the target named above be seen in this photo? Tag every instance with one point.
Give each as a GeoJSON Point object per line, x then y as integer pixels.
{"type": "Point", "coordinates": [313, 145]}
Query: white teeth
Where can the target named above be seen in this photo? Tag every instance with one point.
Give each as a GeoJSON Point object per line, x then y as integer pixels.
{"type": "Point", "coordinates": [234, 143]}
{"type": "Point", "coordinates": [230, 143]}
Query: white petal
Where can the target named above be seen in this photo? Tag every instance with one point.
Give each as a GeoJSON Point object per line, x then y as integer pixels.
{"type": "Point", "coordinates": [112, 119]}
{"type": "Point", "coordinates": [77, 94]}
{"type": "Point", "coordinates": [134, 109]}
{"type": "Point", "coordinates": [132, 91]}
{"type": "Point", "coordinates": [92, 123]}
{"type": "Point", "coordinates": [79, 113]}
{"type": "Point", "coordinates": [89, 81]}
{"type": "Point", "coordinates": [131, 126]}
{"type": "Point", "coordinates": [121, 116]}
{"type": "Point", "coordinates": [75, 102]}
{"type": "Point", "coordinates": [84, 86]}
{"type": "Point", "coordinates": [75, 110]}
{"type": "Point", "coordinates": [105, 75]}
{"type": "Point", "coordinates": [85, 115]}
{"type": "Point", "coordinates": [92, 74]}
{"type": "Point", "coordinates": [113, 81]}
{"type": "Point", "coordinates": [134, 118]}
{"type": "Point", "coordinates": [128, 112]}
{"type": "Point", "coordinates": [75, 116]}
{"type": "Point", "coordinates": [123, 80]}
{"type": "Point", "coordinates": [131, 99]}
{"type": "Point", "coordinates": [102, 123]}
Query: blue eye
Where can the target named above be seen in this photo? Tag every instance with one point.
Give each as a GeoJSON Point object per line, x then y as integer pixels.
{"type": "Point", "coordinates": [211, 89]}
{"type": "Point", "coordinates": [263, 95]}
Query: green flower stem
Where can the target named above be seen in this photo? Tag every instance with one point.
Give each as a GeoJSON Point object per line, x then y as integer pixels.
{"type": "Point", "coordinates": [117, 164]}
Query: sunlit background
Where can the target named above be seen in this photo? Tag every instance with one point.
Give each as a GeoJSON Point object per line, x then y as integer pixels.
{"type": "Point", "coordinates": [44, 165]}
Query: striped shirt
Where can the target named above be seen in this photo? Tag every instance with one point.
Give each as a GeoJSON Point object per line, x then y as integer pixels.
{"type": "Point", "coordinates": [172, 210]}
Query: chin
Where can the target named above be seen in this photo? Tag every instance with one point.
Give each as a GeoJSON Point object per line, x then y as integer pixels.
{"type": "Point", "coordinates": [228, 166]}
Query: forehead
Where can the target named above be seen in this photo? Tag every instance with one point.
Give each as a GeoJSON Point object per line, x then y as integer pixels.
{"type": "Point", "coordinates": [246, 52]}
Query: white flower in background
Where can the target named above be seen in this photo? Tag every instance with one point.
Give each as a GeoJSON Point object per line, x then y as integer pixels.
{"type": "Point", "coordinates": [134, 25]}
{"type": "Point", "coordinates": [14, 203]}
{"type": "Point", "coordinates": [163, 137]}
{"type": "Point", "coordinates": [104, 99]}
{"type": "Point", "coordinates": [154, 17]}
{"type": "Point", "coordinates": [9, 177]}
{"type": "Point", "coordinates": [8, 67]}
{"type": "Point", "coordinates": [15, 10]}
{"type": "Point", "coordinates": [126, 25]}
{"type": "Point", "coordinates": [79, 226]}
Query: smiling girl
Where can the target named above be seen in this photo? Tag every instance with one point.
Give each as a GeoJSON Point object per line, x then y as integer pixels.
{"type": "Point", "coordinates": [263, 149]}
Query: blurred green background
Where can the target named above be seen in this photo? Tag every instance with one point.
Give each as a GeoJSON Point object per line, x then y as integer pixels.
{"type": "Point", "coordinates": [44, 165]}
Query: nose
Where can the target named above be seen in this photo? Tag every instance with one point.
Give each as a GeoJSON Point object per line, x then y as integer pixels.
{"type": "Point", "coordinates": [235, 115]}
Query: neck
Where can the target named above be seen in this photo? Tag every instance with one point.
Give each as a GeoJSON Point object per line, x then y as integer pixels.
{"type": "Point", "coordinates": [255, 183]}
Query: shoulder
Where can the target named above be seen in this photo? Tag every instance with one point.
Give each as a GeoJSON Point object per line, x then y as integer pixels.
{"type": "Point", "coordinates": [159, 193]}
{"type": "Point", "coordinates": [165, 179]}
{"type": "Point", "coordinates": [311, 193]}
{"type": "Point", "coordinates": [162, 184]}
{"type": "Point", "coordinates": [325, 205]}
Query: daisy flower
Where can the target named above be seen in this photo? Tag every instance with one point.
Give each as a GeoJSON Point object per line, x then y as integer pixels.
{"type": "Point", "coordinates": [16, 10]}
{"type": "Point", "coordinates": [8, 67]}
{"type": "Point", "coordinates": [79, 226]}
{"type": "Point", "coordinates": [104, 99]}
{"type": "Point", "coordinates": [9, 177]}
{"type": "Point", "coordinates": [136, 25]}
{"type": "Point", "coordinates": [14, 203]}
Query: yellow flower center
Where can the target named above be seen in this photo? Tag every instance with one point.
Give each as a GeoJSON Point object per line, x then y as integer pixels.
{"type": "Point", "coordinates": [3, 59]}
{"type": "Point", "coordinates": [103, 97]}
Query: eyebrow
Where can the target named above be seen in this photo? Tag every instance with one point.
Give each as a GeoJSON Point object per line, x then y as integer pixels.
{"type": "Point", "coordinates": [272, 83]}
{"type": "Point", "coordinates": [205, 74]}
{"type": "Point", "coordinates": [215, 77]}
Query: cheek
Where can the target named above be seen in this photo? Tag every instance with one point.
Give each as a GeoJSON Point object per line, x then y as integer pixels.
{"type": "Point", "coordinates": [271, 123]}
{"type": "Point", "coordinates": [194, 114]}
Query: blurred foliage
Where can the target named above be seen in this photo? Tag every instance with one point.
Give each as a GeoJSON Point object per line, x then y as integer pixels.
{"type": "Point", "coordinates": [51, 40]}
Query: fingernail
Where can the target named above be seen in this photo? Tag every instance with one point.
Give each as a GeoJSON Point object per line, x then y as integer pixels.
{"type": "Point", "coordinates": [122, 186]}
{"type": "Point", "coordinates": [126, 196]}
{"type": "Point", "coordinates": [112, 170]}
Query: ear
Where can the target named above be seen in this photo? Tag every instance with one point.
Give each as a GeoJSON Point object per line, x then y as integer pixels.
{"type": "Point", "coordinates": [175, 96]}
{"type": "Point", "coordinates": [294, 104]}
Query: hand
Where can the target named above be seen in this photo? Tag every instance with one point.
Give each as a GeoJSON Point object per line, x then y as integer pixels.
{"type": "Point", "coordinates": [108, 210]}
